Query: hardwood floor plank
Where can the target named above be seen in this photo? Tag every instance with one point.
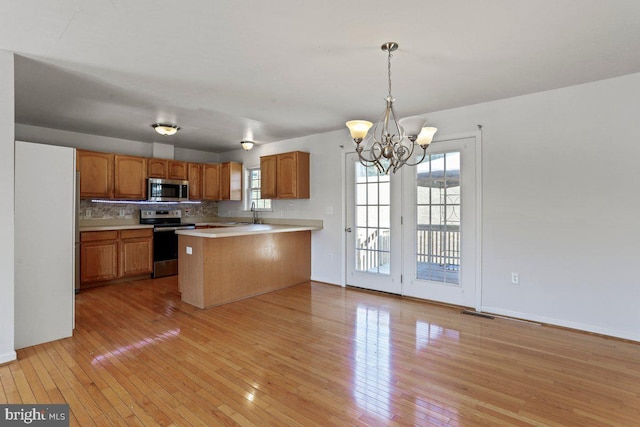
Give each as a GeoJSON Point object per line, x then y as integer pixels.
{"type": "Point", "coordinates": [22, 385]}
{"type": "Point", "coordinates": [318, 354]}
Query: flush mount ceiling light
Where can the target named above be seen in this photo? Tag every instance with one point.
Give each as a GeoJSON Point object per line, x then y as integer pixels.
{"type": "Point", "coordinates": [247, 145]}
{"type": "Point", "coordinates": [392, 142]}
{"type": "Point", "coordinates": [165, 129]}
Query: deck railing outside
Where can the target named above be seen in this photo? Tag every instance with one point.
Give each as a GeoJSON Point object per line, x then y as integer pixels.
{"type": "Point", "coordinates": [436, 246]}
{"type": "Point", "coordinates": [439, 245]}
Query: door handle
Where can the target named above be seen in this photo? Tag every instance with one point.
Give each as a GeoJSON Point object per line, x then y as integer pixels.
{"type": "Point", "coordinates": [348, 229]}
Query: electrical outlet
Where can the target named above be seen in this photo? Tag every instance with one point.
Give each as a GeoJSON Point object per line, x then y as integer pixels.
{"type": "Point", "coordinates": [87, 213]}
{"type": "Point", "coordinates": [515, 278]}
{"type": "Point", "coordinates": [189, 250]}
{"type": "Point", "coordinates": [121, 213]}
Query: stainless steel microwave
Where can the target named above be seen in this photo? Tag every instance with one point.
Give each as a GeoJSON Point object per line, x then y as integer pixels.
{"type": "Point", "coordinates": [167, 190]}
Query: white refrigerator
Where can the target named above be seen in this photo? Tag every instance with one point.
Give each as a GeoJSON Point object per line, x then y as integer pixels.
{"type": "Point", "coordinates": [45, 225]}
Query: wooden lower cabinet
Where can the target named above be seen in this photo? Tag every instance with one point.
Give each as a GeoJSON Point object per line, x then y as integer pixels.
{"type": "Point", "coordinates": [108, 256]}
{"type": "Point", "coordinates": [136, 252]}
{"type": "Point", "coordinates": [98, 256]}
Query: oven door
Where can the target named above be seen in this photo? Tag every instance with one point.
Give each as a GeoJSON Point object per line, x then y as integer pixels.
{"type": "Point", "coordinates": [165, 251]}
{"type": "Point", "coordinates": [165, 244]}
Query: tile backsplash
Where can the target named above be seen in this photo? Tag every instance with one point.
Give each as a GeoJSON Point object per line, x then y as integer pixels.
{"type": "Point", "coordinates": [128, 211]}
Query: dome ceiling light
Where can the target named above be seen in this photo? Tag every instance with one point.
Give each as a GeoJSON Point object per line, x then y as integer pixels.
{"type": "Point", "coordinates": [165, 129]}
{"type": "Point", "coordinates": [247, 145]}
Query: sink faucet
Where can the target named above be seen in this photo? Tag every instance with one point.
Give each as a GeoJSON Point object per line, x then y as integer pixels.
{"type": "Point", "coordinates": [255, 213]}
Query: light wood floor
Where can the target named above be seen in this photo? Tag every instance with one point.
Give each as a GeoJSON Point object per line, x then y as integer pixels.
{"type": "Point", "coordinates": [318, 354]}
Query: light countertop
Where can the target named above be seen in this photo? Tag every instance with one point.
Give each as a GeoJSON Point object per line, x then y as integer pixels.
{"type": "Point", "coordinates": [113, 227]}
{"type": "Point", "coordinates": [245, 230]}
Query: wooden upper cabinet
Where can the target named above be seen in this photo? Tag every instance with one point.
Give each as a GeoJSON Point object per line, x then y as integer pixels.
{"type": "Point", "coordinates": [231, 181]}
{"type": "Point", "coordinates": [285, 176]}
{"type": "Point", "coordinates": [96, 174]}
{"type": "Point", "coordinates": [177, 170]}
{"type": "Point", "coordinates": [130, 177]}
{"type": "Point", "coordinates": [211, 182]}
{"type": "Point", "coordinates": [268, 177]}
{"type": "Point", "coordinates": [158, 168]}
{"type": "Point", "coordinates": [163, 168]}
{"type": "Point", "coordinates": [194, 175]}
{"type": "Point", "coordinates": [293, 175]}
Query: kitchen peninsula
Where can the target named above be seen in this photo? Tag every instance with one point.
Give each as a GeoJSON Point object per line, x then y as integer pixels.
{"type": "Point", "coordinates": [221, 265]}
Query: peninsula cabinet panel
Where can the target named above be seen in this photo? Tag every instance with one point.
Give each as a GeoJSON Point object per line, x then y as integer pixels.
{"type": "Point", "coordinates": [157, 168]}
{"type": "Point", "coordinates": [177, 170]}
{"type": "Point", "coordinates": [231, 181]}
{"type": "Point", "coordinates": [211, 182]}
{"type": "Point", "coordinates": [130, 177]}
{"type": "Point", "coordinates": [96, 174]}
{"type": "Point", "coordinates": [268, 177]}
{"type": "Point", "coordinates": [136, 252]}
{"type": "Point", "coordinates": [98, 256]}
{"type": "Point", "coordinates": [194, 175]}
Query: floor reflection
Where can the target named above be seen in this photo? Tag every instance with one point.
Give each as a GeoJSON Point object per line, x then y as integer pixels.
{"type": "Point", "coordinates": [425, 332]}
{"type": "Point", "coordinates": [172, 333]}
{"type": "Point", "coordinates": [372, 376]}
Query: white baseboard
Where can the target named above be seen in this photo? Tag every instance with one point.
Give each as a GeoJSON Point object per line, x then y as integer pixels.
{"type": "Point", "coordinates": [563, 323]}
{"type": "Point", "coordinates": [9, 356]}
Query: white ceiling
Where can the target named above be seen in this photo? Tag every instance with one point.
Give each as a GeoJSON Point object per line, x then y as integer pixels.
{"type": "Point", "coordinates": [229, 70]}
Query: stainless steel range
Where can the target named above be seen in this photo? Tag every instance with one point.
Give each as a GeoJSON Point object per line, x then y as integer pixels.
{"type": "Point", "coordinates": [165, 240]}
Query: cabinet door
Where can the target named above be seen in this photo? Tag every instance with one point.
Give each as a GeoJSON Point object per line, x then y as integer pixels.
{"type": "Point", "coordinates": [130, 177]}
{"type": "Point", "coordinates": [293, 175]}
{"type": "Point", "coordinates": [211, 182]}
{"type": "Point", "coordinates": [98, 256]}
{"type": "Point", "coordinates": [268, 189]}
{"type": "Point", "coordinates": [195, 181]}
{"type": "Point", "coordinates": [177, 170]}
{"type": "Point", "coordinates": [157, 168]}
{"type": "Point", "coordinates": [96, 174]}
{"type": "Point", "coordinates": [136, 252]}
{"type": "Point", "coordinates": [231, 181]}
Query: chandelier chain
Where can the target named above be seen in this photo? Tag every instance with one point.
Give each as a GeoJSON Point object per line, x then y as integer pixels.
{"type": "Point", "coordinates": [389, 71]}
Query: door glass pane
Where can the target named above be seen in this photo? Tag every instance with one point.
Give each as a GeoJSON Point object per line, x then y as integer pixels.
{"type": "Point", "coordinates": [373, 231]}
{"type": "Point", "coordinates": [438, 218]}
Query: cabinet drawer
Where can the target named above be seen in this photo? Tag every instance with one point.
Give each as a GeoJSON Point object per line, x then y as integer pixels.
{"type": "Point", "coordinates": [138, 232]}
{"type": "Point", "coordinates": [92, 236]}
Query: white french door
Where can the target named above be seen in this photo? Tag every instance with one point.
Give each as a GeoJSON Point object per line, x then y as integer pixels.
{"type": "Point", "coordinates": [440, 233]}
{"type": "Point", "coordinates": [415, 232]}
{"type": "Point", "coordinates": [373, 228]}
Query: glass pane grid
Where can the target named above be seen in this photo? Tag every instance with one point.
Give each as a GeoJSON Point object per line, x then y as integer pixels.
{"type": "Point", "coordinates": [438, 218]}
{"type": "Point", "coordinates": [255, 178]}
{"type": "Point", "coordinates": [373, 211]}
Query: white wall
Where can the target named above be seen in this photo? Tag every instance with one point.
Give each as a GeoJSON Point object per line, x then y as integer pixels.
{"type": "Point", "coordinates": [560, 203]}
{"type": "Point", "coordinates": [7, 352]}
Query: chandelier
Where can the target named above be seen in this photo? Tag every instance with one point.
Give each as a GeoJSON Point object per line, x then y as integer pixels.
{"type": "Point", "coordinates": [392, 142]}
